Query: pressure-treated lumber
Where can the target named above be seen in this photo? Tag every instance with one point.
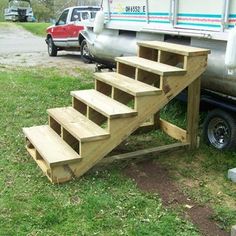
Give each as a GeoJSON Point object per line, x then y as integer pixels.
{"type": "Point", "coordinates": [173, 130]}
{"type": "Point", "coordinates": [127, 84]}
{"type": "Point", "coordinates": [151, 66]}
{"type": "Point", "coordinates": [102, 118]}
{"type": "Point", "coordinates": [143, 153]}
{"type": "Point", "coordinates": [78, 125]}
{"type": "Point", "coordinates": [193, 112]}
{"type": "Point", "coordinates": [174, 48]}
{"type": "Point", "coordinates": [50, 146]}
{"type": "Point", "coordinates": [103, 104]}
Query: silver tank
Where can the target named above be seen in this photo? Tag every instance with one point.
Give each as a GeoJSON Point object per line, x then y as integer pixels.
{"type": "Point", "coordinates": [113, 43]}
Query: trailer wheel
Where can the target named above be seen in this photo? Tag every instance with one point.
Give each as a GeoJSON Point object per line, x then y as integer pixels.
{"type": "Point", "coordinates": [219, 130]}
{"type": "Point", "coordinates": [52, 49]}
{"type": "Point", "coordinates": [84, 51]}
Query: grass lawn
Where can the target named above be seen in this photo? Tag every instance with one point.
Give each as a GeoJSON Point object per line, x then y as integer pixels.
{"type": "Point", "coordinates": [102, 202]}
{"type": "Point", "coordinates": [35, 28]}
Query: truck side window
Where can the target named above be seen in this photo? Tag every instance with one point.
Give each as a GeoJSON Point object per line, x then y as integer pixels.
{"type": "Point", "coordinates": [63, 17]}
{"type": "Point", "coordinates": [93, 14]}
{"type": "Point", "coordinates": [85, 15]}
{"type": "Point", "coordinates": [76, 15]}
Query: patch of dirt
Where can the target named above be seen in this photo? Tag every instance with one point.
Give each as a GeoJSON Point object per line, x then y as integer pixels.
{"type": "Point", "coordinates": [151, 177]}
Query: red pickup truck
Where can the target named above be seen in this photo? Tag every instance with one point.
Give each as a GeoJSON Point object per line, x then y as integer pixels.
{"type": "Point", "coordinates": [64, 35]}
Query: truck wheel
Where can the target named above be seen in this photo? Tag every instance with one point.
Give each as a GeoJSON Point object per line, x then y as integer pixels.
{"type": "Point", "coordinates": [84, 52]}
{"type": "Point", "coordinates": [52, 49]}
{"type": "Point", "coordinates": [219, 130]}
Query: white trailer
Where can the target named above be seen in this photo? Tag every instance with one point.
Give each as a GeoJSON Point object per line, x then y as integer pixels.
{"type": "Point", "coordinates": [202, 23]}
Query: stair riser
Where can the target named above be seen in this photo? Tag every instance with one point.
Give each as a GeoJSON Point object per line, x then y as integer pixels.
{"type": "Point", "coordinates": [147, 77]}
{"type": "Point", "coordinates": [116, 94]}
{"type": "Point", "coordinates": [107, 87]}
{"type": "Point", "coordinates": [101, 117]}
{"type": "Point", "coordinates": [70, 138]}
{"type": "Point", "coordinates": [165, 57]}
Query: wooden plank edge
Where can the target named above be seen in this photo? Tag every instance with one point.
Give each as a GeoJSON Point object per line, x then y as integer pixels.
{"type": "Point", "coordinates": [173, 130]}
{"type": "Point", "coordinates": [141, 153]}
{"type": "Point", "coordinates": [201, 52]}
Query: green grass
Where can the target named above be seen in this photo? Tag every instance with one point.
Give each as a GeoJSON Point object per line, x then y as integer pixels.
{"type": "Point", "coordinates": [35, 28]}
{"type": "Point", "coordinates": [102, 202]}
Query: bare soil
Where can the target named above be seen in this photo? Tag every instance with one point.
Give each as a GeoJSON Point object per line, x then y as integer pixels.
{"type": "Point", "coordinates": [152, 177]}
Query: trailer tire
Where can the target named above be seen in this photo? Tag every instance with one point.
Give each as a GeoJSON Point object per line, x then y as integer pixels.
{"type": "Point", "coordinates": [52, 49]}
{"type": "Point", "coordinates": [219, 130]}
{"type": "Point", "coordinates": [84, 52]}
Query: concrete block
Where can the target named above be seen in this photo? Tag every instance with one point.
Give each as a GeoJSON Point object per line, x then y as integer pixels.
{"type": "Point", "coordinates": [233, 231]}
{"type": "Point", "coordinates": [232, 174]}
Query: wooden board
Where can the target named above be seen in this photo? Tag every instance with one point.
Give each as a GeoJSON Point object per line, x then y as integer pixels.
{"type": "Point", "coordinates": [78, 125]}
{"type": "Point", "coordinates": [173, 130]}
{"type": "Point", "coordinates": [194, 91]}
{"type": "Point", "coordinates": [103, 104]}
{"type": "Point", "coordinates": [142, 153]}
{"type": "Point", "coordinates": [126, 84]}
{"type": "Point", "coordinates": [151, 66]}
{"type": "Point", "coordinates": [175, 48]}
{"type": "Point", "coordinates": [50, 146]}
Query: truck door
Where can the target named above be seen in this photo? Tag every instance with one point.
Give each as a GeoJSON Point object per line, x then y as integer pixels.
{"type": "Point", "coordinates": [60, 32]}
{"type": "Point", "coordinates": [201, 14]}
{"type": "Point", "coordinates": [74, 28]}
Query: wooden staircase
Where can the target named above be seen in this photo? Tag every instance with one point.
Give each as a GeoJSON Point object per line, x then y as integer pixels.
{"type": "Point", "coordinates": [78, 137]}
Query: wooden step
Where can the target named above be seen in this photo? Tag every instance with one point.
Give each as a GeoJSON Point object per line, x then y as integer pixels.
{"type": "Point", "coordinates": [127, 84]}
{"type": "Point", "coordinates": [174, 48]}
{"type": "Point", "coordinates": [78, 125]}
{"type": "Point", "coordinates": [151, 66]}
{"type": "Point", "coordinates": [103, 104]}
{"type": "Point", "coordinates": [50, 146]}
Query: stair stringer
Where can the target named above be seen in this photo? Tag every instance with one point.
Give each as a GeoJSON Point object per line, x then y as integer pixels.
{"type": "Point", "coordinates": [121, 128]}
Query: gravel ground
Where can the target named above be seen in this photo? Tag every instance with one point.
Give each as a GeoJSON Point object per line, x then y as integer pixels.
{"type": "Point", "coordinates": [19, 47]}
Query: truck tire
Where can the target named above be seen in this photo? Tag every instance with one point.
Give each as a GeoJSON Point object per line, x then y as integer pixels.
{"type": "Point", "coordinates": [52, 49]}
{"type": "Point", "coordinates": [219, 130]}
{"type": "Point", "coordinates": [84, 52]}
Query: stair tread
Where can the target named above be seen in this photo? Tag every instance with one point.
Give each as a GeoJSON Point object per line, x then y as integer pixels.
{"type": "Point", "coordinates": [175, 48]}
{"type": "Point", "coordinates": [151, 66]}
{"type": "Point", "coordinates": [127, 84]}
{"type": "Point", "coordinates": [103, 104]}
{"type": "Point", "coordinates": [77, 124]}
{"type": "Point", "coordinates": [50, 146]}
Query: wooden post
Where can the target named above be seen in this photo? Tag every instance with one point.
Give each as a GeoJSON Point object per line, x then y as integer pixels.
{"type": "Point", "coordinates": [193, 113]}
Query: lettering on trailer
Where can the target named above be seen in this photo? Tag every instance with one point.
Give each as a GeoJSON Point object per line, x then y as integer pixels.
{"type": "Point", "coordinates": [135, 9]}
